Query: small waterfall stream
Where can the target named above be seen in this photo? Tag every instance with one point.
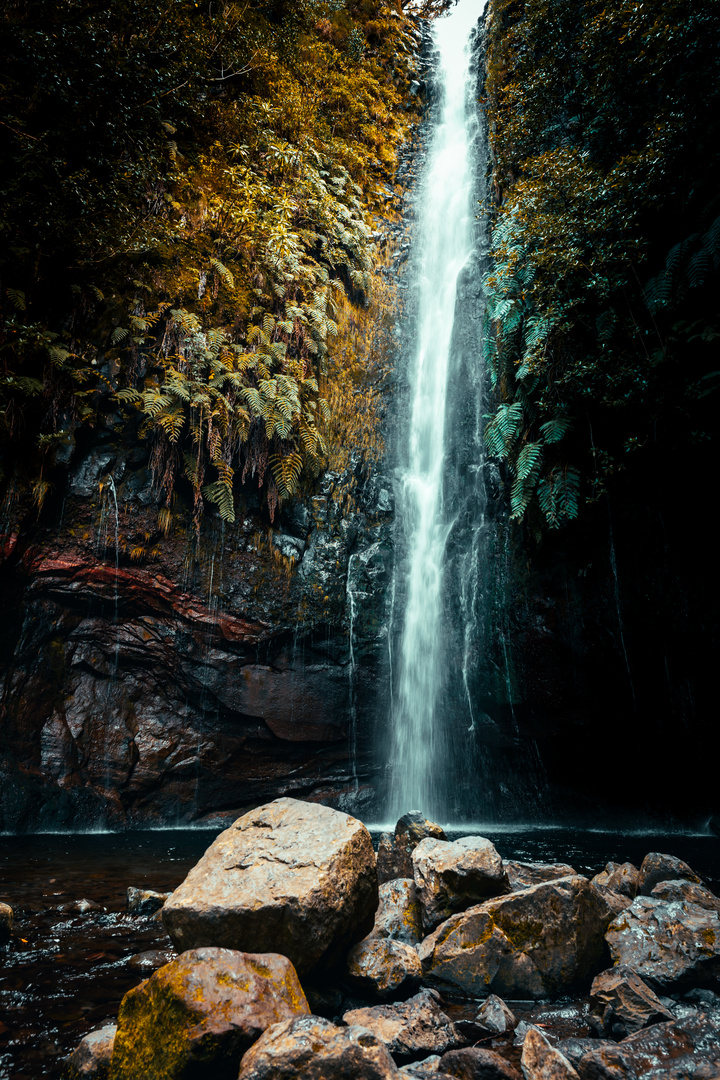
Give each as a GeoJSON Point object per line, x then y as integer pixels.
{"type": "Point", "coordinates": [421, 752]}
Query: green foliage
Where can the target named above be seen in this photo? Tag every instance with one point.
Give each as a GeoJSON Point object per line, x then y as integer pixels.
{"type": "Point", "coordinates": [604, 132]}
{"type": "Point", "coordinates": [186, 195]}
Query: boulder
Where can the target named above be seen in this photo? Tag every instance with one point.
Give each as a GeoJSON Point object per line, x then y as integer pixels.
{"type": "Point", "coordinates": [202, 1012]}
{"type": "Point", "coordinates": [657, 867]}
{"type": "Point", "coordinates": [411, 830]}
{"type": "Point", "coordinates": [410, 1029]}
{"type": "Point", "coordinates": [616, 901]}
{"type": "Point", "coordinates": [669, 945]}
{"type": "Point", "coordinates": [6, 922]}
{"type": "Point", "coordinates": [90, 1060]}
{"type": "Point", "coordinates": [622, 1003]}
{"type": "Point", "coordinates": [494, 1017]}
{"type": "Point", "coordinates": [384, 967]}
{"type": "Point", "coordinates": [418, 1070]}
{"type": "Point", "coordinates": [477, 1063]}
{"type": "Point", "coordinates": [541, 942]}
{"type": "Point", "coordinates": [576, 1047]}
{"type": "Point", "coordinates": [290, 877]}
{"type": "Point", "coordinates": [399, 915]}
{"type": "Point", "coordinates": [687, 891]}
{"type": "Point", "coordinates": [450, 877]}
{"type": "Point", "coordinates": [523, 875]}
{"type": "Point", "coordinates": [386, 858]}
{"type": "Point", "coordinates": [145, 901]}
{"type": "Point", "coordinates": [679, 1050]}
{"type": "Point", "coordinates": [315, 1049]}
{"type": "Point", "coordinates": [620, 877]}
{"type": "Point", "coordinates": [605, 1061]}
{"type": "Point", "coordinates": [542, 1061]}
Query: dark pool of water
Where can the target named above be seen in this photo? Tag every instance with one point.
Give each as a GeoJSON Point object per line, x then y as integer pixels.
{"type": "Point", "coordinates": [64, 974]}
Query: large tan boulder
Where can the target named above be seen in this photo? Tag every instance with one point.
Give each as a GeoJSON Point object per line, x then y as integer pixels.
{"type": "Point", "coordinates": [540, 942]}
{"type": "Point", "coordinates": [452, 876]}
{"type": "Point", "coordinates": [90, 1060]}
{"type": "Point", "coordinates": [290, 877]}
{"type": "Point", "coordinates": [202, 1012]}
{"type": "Point", "coordinates": [316, 1049]}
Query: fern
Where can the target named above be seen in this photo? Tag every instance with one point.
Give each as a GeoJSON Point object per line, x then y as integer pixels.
{"type": "Point", "coordinates": [554, 429]}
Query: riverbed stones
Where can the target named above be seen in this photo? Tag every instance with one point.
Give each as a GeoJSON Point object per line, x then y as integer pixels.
{"type": "Point", "coordinates": [541, 942]}
{"type": "Point", "coordinates": [679, 1050]}
{"type": "Point", "coordinates": [399, 914]}
{"type": "Point", "coordinates": [542, 1061]}
{"type": "Point", "coordinates": [622, 1003]}
{"type": "Point", "coordinates": [312, 1048]}
{"type": "Point", "coordinates": [145, 901]}
{"type": "Point", "coordinates": [523, 875]}
{"type": "Point", "coordinates": [90, 1060]}
{"type": "Point", "coordinates": [290, 877]}
{"type": "Point", "coordinates": [452, 876]}
{"type": "Point", "coordinates": [494, 1017]}
{"type": "Point", "coordinates": [668, 944]}
{"type": "Point", "coordinates": [412, 1028]}
{"type": "Point", "coordinates": [657, 867]}
{"type": "Point", "coordinates": [477, 1063]}
{"type": "Point", "coordinates": [6, 922]}
{"type": "Point", "coordinates": [384, 968]}
{"type": "Point", "coordinates": [200, 1013]}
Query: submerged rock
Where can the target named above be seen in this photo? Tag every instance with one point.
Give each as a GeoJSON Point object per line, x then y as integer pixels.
{"type": "Point", "coordinates": [543, 1061]}
{"type": "Point", "coordinates": [623, 1003]}
{"type": "Point", "coordinates": [315, 1049]}
{"type": "Point", "coordinates": [80, 907]}
{"type": "Point", "coordinates": [90, 1060]}
{"type": "Point", "coordinates": [657, 867]}
{"type": "Point", "coordinates": [202, 1012]}
{"type": "Point", "coordinates": [290, 877]}
{"type": "Point", "coordinates": [541, 942]}
{"type": "Point", "coordinates": [399, 915]}
{"type": "Point", "coordinates": [384, 967]}
{"type": "Point", "coordinates": [523, 875]}
{"type": "Point", "coordinates": [494, 1017]}
{"type": "Point", "coordinates": [477, 1063]}
{"type": "Point", "coordinates": [669, 944]}
{"type": "Point", "coordinates": [451, 877]}
{"type": "Point", "coordinates": [145, 901]}
{"type": "Point", "coordinates": [410, 1028]}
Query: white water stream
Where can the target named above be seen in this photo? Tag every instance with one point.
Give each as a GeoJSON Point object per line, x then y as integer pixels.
{"type": "Point", "coordinates": [446, 236]}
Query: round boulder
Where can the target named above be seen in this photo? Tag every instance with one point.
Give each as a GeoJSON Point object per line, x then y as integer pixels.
{"type": "Point", "coordinates": [290, 877]}
{"type": "Point", "coordinates": [202, 1012]}
{"type": "Point", "coordinates": [384, 967]}
{"type": "Point", "coordinates": [315, 1049]}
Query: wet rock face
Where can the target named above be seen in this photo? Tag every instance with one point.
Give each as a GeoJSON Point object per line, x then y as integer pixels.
{"type": "Point", "coordinates": [669, 944]}
{"type": "Point", "coordinates": [399, 914]}
{"type": "Point", "coordinates": [542, 1061]}
{"type": "Point", "coordinates": [540, 942]}
{"type": "Point", "coordinates": [657, 867]}
{"type": "Point", "coordinates": [90, 1060]}
{"type": "Point", "coordinates": [201, 1012]}
{"type": "Point", "coordinates": [316, 1049]}
{"type": "Point", "coordinates": [687, 1050]}
{"type": "Point", "coordinates": [290, 877]}
{"type": "Point", "coordinates": [165, 679]}
{"type": "Point", "coordinates": [523, 875]}
{"type": "Point", "coordinates": [477, 1063]}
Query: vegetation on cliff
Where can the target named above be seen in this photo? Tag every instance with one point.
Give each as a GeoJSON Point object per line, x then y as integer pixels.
{"type": "Point", "coordinates": [603, 323]}
{"type": "Point", "coordinates": [185, 231]}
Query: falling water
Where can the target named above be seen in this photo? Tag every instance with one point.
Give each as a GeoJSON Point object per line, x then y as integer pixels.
{"type": "Point", "coordinates": [446, 241]}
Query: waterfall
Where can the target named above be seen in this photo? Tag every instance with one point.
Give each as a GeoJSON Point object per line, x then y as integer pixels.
{"type": "Point", "coordinates": [422, 757]}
